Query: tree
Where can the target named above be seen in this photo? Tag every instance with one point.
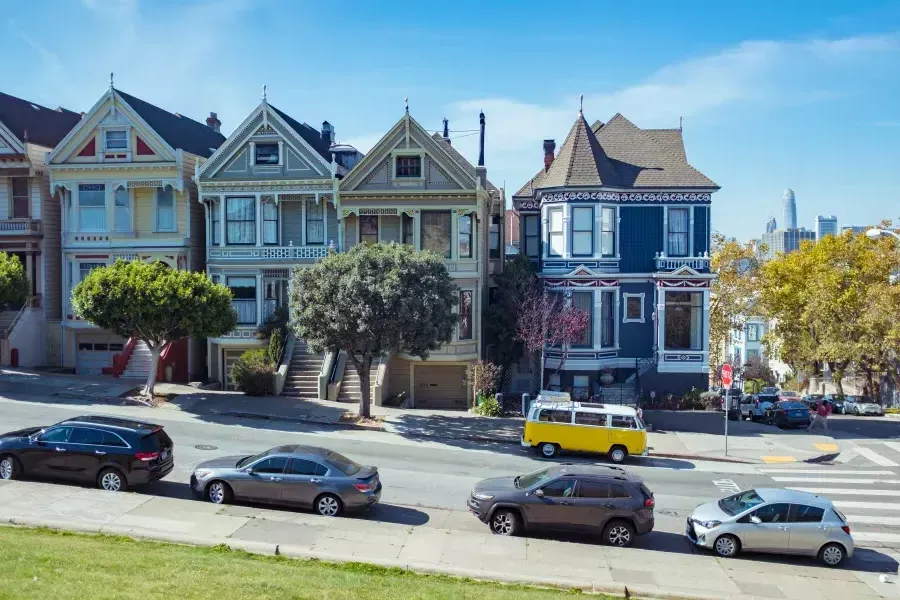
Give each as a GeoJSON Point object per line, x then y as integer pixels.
{"type": "Point", "coordinates": [755, 368]}
{"type": "Point", "coordinates": [372, 300]}
{"type": "Point", "coordinates": [545, 318]}
{"type": "Point", "coordinates": [14, 284]}
{"type": "Point", "coordinates": [501, 316]}
{"type": "Point", "coordinates": [155, 304]}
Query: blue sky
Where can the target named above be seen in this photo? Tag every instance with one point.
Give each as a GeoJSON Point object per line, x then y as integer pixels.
{"type": "Point", "coordinates": [795, 94]}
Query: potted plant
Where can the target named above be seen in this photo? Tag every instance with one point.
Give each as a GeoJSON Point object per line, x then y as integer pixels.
{"type": "Point", "coordinates": [607, 377]}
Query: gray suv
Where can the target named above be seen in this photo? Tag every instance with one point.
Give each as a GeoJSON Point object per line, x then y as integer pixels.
{"type": "Point", "coordinates": [602, 499]}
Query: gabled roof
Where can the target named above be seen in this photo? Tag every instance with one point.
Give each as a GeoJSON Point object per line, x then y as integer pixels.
{"type": "Point", "coordinates": [581, 161]}
{"type": "Point", "coordinates": [459, 158]}
{"type": "Point", "coordinates": [44, 126]}
{"type": "Point", "coordinates": [670, 139]}
{"type": "Point", "coordinates": [177, 130]}
{"type": "Point", "coordinates": [310, 135]}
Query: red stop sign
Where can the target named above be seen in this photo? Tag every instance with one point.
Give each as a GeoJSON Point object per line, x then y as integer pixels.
{"type": "Point", "coordinates": [726, 375]}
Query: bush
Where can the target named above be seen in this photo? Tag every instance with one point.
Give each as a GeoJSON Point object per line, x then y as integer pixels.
{"type": "Point", "coordinates": [711, 400]}
{"type": "Point", "coordinates": [254, 373]}
{"type": "Point", "coordinates": [277, 321]}
{"type": "Point", "coordinates": [276, 346]}
{"type": "Point", "coordinates": [484, 377]}
{"type": "Point", "coordinates": [691, 400]}
{"type": "Point", "coordinates": [488, 406]}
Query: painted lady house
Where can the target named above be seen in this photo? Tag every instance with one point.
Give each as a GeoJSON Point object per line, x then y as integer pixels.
{"type": "Point", "coordinates": [29, 227]}
{"type": "Point", "coordinates": [619, 221]}
{"type": "Point", "coordinates": [123, 175]}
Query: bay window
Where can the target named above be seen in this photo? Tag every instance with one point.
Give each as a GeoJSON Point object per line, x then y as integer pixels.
{"type": "Point", "coordinates": [684, 321]}
{"type": "Point", "coordinates": [556, 238]}
{"type": "Point", "coordinates": [582, 231]}
{"type": "Point", "coordinates": [240, 221]}
{"type": "Point", "coordinates": [165, 209]}
{"type": "Point", "coordinates": [607, 231]}
{"type": "Point", "coordinates": [92, 207]}
{"type": "Point", "coordinates": [678, 232]}
{"type": "Point", "coordinates": [532, 237]}
{"type": "Point", "coordinates": [315, 222]}
{"type": "Point", "coordinates": [243, 299]}
{"type": "Point", "coordinates": [494, 237]}
{"type": "Point", "coordinates": [436, 232]}
{"type": "Point", "coordinates": [465, 236]}
{"type": "Point", "coordinates": [608, 320]}
{"type": "Point", "coordinates": [368, 229]}
{"type": "Point", "coordinates": [270, 223]}
{"type": "Point", "coordinates": [122, 216]}
{"type": "Point", "coordinates": [215, 218]}
{"type": "Point", "coordinates": [585, 301]}
{"type": "Point", "coordinates": [465, 315]}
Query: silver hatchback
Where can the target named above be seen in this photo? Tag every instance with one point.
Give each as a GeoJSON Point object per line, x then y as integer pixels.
{"type": "Point", "coordinates": [772, 520]}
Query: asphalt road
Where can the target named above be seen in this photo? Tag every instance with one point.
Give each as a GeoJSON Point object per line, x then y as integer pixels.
{"type": "Point", "coordinates": [867, 427]}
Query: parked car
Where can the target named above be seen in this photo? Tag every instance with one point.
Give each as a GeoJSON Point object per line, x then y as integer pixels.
{"type": "Point", "coordinates": [862, 405]}
{"type": "Point", "coordinates": [609, 500]}
{"type": "Point", "coordinates": [304, 476]}
{"type": "Point", "coordinates": [754, 407]}
{"type": "Point", "coordinates": [110, 452]}
{"type": "Point", "coordinates": [837, 402]}
{"type": "Point", "coordinates": [789, 395]}
{"type": "Point", "coordinates": [788, 414]}
{"type": "Point", "coordinates": [772, 520]}
{"type": "Point", "coordinates": [812, 400]}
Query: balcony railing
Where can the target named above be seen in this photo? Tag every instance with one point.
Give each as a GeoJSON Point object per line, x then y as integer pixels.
{"type": "Point", "coordinates": [697, 263]}
{"type": "Point", "coordinates": [19, 226]}
{"type": "Point", "coordinates": [269, 252]}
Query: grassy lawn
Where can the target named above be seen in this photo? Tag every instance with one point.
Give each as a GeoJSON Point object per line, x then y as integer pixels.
{"type": "Point", "coordinates": [44, 564]}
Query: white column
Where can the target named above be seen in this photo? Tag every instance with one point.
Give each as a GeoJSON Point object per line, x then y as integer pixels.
{"type": "Point", "coordinates": [259, 298]}
{"type": "Point", "coordinates": [259, 225]}
{"type": "Point", "coordinates": [303, 222]}
{"type": "Point", "coordinates": [596, 322]}
{"type": "Point", "coordinates": [598, 212]}
{"type": "Point", "coordinates": [617, 221]}
{"type": "Point", "coordinates": [417, 231]}
{"type": "Point", "coordinates": [29, 270]}
{"type": "Point", "coordinates": [454, 235]}
{"type": "Point", "coordinates": [567, 235]}
{"type": "Point", "coordinates": [705, 345]}
{"type": "Point", "coordinates": [324, 201]}
{"type": "Point", "coordinates": [617, 308]}
{"type": "Point", "coordinates": [661, 318]}
{"type": "Point", "coordinates": [665, 248]}
{"type": "Point", "coordinates": [222, 221]}
{"type": "Point", "coordinates": [207, 212]}
{"type": "Point", "coordinates": [691, 231]}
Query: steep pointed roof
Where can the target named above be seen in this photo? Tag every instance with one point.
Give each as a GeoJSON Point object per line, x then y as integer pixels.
{"type": "Point", "coordinates": [581, 162]}
{"type": "Point", "coordinates": [43, 126]}
{"type": "Point", "coordinates": [309, 134]}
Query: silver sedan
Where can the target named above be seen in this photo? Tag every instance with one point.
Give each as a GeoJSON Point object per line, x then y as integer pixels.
{"type": "Point", "coordinates": [772, 520]}
{"type": "Point", "coordinates": [303, 476]}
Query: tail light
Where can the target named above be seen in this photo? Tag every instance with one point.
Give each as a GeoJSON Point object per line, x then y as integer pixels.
{"type": "Point", "coordinates": [649, 503]}
{"type": "Point", "coordinates": [363, 487]}
{"type": "Point", "coordinates": [846, 529]}
{"type": "Point", "coordinates": [757, 402]}
{"type": "Point", "coordinates": [146, 456]}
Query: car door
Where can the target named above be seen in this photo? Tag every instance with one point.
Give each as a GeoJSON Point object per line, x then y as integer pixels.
{"type": "Point", "coordinates": [773, 532]}
{"type": "Point", "coordinates": [592, 505]}
{"type": "Point", "coordinates": [85, 453]}
{"type": "Point", "coordinates": [47, 457]}
{"type": "Point", "coordinates": [808, 532]}
{"type": "Point", "coordinates": [261, 481]}
{"type": "Point", "coordinates": [552, 508]}
{"type": "Point", "coordinates": [303, 481]}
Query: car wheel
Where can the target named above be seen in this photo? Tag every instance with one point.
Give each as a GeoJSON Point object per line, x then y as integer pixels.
{"type": "Point", "coordinates": [219, 492]}
{"type": "Point", "coordinates": [549, 450]}
{"type": "Point", "coordinates": [618, 533]}
{"type": "Point", "coordinates": [727, 546]}
{"type": "Point", "coordinates": [10, 467]}
{"type": "Point", "coordinates": [111, 480]}
{"type": "Point", "coordinates": [329, 505]}
{"type": "Point", "coordinates": [506, 522]}
{"type": "Point", "coordinates": [618, 454]}
{"type": "Point", "coordinates": [832, 555]}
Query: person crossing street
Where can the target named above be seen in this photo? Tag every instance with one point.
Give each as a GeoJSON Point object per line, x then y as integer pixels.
{"type": "Point", "coordinates": [823, 410]}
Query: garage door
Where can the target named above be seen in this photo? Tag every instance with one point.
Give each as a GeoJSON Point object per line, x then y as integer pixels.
{"type": "Point", "coordinates": [440, 386]}
{"type": "Point", "coordinates": [96, 352]}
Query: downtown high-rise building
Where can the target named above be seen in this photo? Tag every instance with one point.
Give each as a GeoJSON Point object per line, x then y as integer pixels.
{"type": "Point", "coordinates": [788, 238]}
{"type": "Point", "coordinates": [789, 204]}
{"type": "Point", "coordinates": [826, 226]}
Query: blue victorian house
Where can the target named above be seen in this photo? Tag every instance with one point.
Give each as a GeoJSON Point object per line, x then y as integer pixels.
{"type": "Point", "coordinates": [619, 221]}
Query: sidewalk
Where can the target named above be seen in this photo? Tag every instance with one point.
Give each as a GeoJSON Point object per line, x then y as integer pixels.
{"type": "Point", "coordinates": [451, 542]}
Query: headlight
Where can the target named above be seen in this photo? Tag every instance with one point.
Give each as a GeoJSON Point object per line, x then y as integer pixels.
{"type": "Point", "coordinates": [480, 496]}
{"type": "Point", "coordinates": [710, 524]}
{"type": "Point", "coordinates": [202, 473]}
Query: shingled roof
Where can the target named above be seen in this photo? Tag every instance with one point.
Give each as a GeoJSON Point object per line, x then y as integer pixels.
{"type": "Point", "coordinates": [310, 135]}
{"type": "Point", "coordinates": [459, 158]}
{"type": "Point", "coordinates": [581, 162]}
{"type": "Point", "coordinates": [177, 130]}
{"type": "Point", "coordinates": [35, 123]}
{"type": "Point", "coordinates": [527, 190]}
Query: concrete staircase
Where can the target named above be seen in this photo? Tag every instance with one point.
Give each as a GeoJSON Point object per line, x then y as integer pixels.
{"type": "Point", "coordinates": [303, 374]}
{"type": "Point", "coordinates": [139, 362]}
{"type": "Point", "coordinates": [351, 391]}
{"type": "Point", "coordinates": [6, 319]}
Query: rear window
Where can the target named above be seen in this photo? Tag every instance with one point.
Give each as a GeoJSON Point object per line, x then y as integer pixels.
{"type": "Point", "coordinates": [157, 440]}
{"type": "Point", "coordinates": [807, 514]}
{"type": "Point", "coordinates": [767, 398]}
{"type": "Point", "coordinates": [646, 491]}
{"type": "Point", "coordinates": [343, 464]}
{"type": "Point", "coordinates": [794, 405]}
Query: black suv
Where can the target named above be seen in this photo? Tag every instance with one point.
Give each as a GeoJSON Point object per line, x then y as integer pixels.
{"type": "Point", "coordinates": [110, 452]}
{"type": "Point", "coordinates": [568, 497]}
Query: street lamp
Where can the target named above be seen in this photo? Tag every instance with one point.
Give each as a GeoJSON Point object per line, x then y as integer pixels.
{"type": "Point", "coordinates": [875, 233]}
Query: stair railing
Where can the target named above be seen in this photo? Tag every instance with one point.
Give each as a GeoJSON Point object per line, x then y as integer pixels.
{"type": "Point", "coordinates": [120, 360]}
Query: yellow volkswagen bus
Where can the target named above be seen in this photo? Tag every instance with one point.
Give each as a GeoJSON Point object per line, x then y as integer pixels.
{"type": "Point", "coordinates": [553, 426]}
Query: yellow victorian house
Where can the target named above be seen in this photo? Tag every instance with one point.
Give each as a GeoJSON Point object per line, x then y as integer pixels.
{"type": "Point", "coordinates": [124, 179]}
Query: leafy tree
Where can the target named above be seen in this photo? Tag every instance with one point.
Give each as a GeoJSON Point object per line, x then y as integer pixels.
{"type": "Point", "coordinates": [375, 299]}
{"type": "Point", "coordinates": [501, 317]}
{"type": "Point", "coordinates": [545, 318]}
{"type": "Point", "coordinates": [14, 283]}
{"type": "Point", "coordinates": [755, 368]}
{"type": "Point", "coordinates": [155, 304]}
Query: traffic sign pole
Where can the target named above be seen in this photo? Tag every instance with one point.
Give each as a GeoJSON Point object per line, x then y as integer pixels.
{"type": "Point", "coordinates": [726, 381]}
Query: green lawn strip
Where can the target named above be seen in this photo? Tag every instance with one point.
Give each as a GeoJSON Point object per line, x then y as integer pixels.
{"type": "Point", "coordinates": [42, 564]}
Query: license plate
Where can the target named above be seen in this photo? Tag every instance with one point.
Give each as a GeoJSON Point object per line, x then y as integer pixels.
{"type": "Point", "coordinates": [798, 414]}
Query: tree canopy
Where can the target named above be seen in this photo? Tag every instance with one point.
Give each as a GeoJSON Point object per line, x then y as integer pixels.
{"type": "Point", "coordinates": [155, 304]}
{"type": "Point", "coordinates": [14, 283]}
{"type": "Point", "coordinates": [373, 300]}
{"type": "Point", "coordinates": [501, 317]}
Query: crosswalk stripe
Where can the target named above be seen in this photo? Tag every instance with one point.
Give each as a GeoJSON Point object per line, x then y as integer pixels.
{"type": "Point", "coordinates": [875, 457]}
{"type": "Point", "coordinates": [866, 505]}
{"type": "Point", "coordinates": [893, 445]}
{"type": "Point", "coordinates": [838, 480]}
{"type": "Point", "coordinates": [876, 520]}
{"type": "Point", "coordinates": [866, 536]}
{"type": "Point", "coordinates": [822, 470]}
{"type": "Point", "coordinates": [845, 492]}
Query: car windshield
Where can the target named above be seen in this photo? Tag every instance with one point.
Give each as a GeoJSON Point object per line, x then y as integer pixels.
{"type": "Point", "coordinates": [344, 464]}
{"type": "Point", "coordinates": [790, 394]}
{"type": "Point", "coordinates": [529, 479]}
{"type": "Point", "coordinates": [249, 459]}
{"type": "Point", "coordinates": [792, 405]}
{"type": "Point", "coordinates": [735, 505]}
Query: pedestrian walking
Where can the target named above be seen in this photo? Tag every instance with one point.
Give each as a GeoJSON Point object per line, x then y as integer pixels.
{"type": "Point", "coordinates": [823, 410]}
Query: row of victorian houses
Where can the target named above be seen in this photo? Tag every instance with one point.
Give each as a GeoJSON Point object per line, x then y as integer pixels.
{"type": "Point", "coordinates": [617, 220]}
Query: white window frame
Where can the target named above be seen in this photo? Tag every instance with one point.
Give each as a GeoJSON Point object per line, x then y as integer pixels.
{"type": "Point", "coordinates": [572, 231]}
{"type": "Point", "coordinates": [108, 148]}
{"type": "Point", "coordinates": [474, 312]}
{"type": "Point", "coordinates": [12, 197]}
{"type": "Point", "coordinates": [78, 207]}
{"type": "Point", "coordinates": [551, 232]}
{"type": "Point", "coordinates": [755, 328]}
{"type": "Point", "coordinates": [405, 154]}
{"type": "Point", "coordinates": [625, 297]}
{"type": "Point", "coordinates": [615, 232]}
{"type": "Point", "coordinates": [278, 149]}
{"type": "Point", "coordinates": [156, 227]}
{"type": "Point", "coordinates": [129, 206]}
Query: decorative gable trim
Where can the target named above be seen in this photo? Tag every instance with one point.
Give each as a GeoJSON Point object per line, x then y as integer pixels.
{"type": "Point", "coordinates": [684, 270]}
{"type": "Point", "coordinates": [10, 142]}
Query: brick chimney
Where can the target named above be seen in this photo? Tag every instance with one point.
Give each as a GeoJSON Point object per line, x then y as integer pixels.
{"type": "Point", "coordinates": [213, 122]}
{"type": "Point", "coordinates": [549, 149]}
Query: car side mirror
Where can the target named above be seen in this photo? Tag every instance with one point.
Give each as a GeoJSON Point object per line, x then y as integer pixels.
{"type": "Point", "coordinates": [249, 471]}
{"type": "Point", "coordinates": [539, 493]}
{"type": "Point", "coordinates": [755, 520]}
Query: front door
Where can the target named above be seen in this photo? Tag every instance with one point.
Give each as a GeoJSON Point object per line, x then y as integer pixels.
{"type": "Point", "coordinates": [554, 508]}
{"type": "Point", "coordinates": [48, 457]}
{"type": "Point", "coordinates": [302, 482]}
{"type": "Point", "coordinates": [262, 481]}
{"type": "Point", "coordinates": [772, 534]}
{"type": "Point", "coordinates": [808, 533]}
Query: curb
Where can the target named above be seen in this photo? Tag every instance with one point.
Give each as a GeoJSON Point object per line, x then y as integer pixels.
{"type": "Point", "coordinates": [722, 459]}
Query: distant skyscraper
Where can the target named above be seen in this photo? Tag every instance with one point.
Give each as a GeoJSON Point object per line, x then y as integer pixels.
{"type": "Point", "coordinates": [855, 229]}
{"type": "Point", "coordinates": [826, 226]}
{"type": "Point", "coordinates": [771, 226]}
{"type": "Point", "coordinates": [790, 210]}
{"type": "Point", "coordinates": [784, 241]}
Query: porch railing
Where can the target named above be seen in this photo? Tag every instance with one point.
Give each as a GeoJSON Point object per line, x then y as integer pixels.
{"type": "Point", "coordinates": [18, 226]}
{"type": "Point", "coordinates": [697, 263]}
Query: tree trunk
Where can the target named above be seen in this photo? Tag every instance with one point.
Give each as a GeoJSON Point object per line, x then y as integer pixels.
{"type": "Point", "coordinates": [155, 351]}
{"type": "Point", "coordinates": [362, 369]}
